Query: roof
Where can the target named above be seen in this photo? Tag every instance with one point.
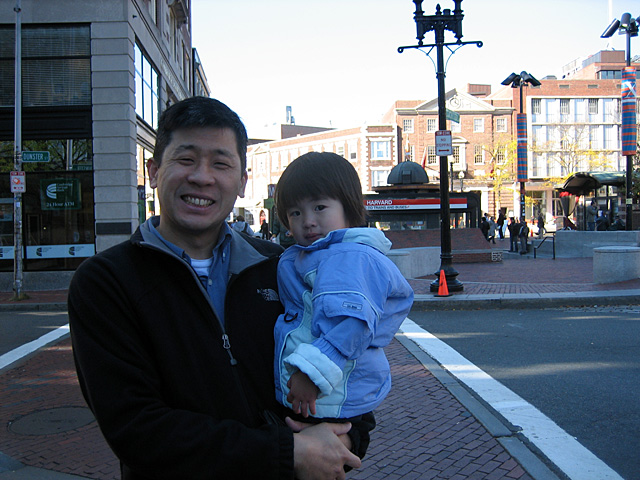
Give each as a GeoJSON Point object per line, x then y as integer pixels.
{"type": "Point", "coordinates": [581, 183]}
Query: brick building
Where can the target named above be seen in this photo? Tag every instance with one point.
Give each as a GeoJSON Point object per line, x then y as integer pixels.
{"type": "Point", "coordinates": [372, 149]}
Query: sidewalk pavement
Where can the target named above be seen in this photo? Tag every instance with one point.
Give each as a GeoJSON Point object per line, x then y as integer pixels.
{"type": "Point", "coordinates": [428, 427]}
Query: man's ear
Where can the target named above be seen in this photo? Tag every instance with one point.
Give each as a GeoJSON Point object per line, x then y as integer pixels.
{"type": "Point", "coordinates": [152, 168]}
{"type": "Point", "coordinates": [243, 184]}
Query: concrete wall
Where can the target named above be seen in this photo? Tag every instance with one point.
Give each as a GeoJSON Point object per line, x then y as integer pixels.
{"type": "Point", "coordinates": [572, 243]}
{"type": "Point", "coordinates": [416, 262]}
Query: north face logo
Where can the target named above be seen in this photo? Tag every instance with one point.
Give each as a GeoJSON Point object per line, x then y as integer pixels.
{"type": "Point", "coordinates": [269, 295]}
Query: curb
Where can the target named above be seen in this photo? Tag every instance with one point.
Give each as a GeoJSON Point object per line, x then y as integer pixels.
{"type": "Point", "coordinates": [424, 302]}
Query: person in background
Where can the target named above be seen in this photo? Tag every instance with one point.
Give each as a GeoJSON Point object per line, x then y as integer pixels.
{"type": "Point", "coordinates": [242, 227]}
{"type": "Point", "coordinates": [500, 222]}
{"type": "Point", "coordinates": [491, 234]}
{"type": "Point", "coordinates": [282, 233]}
{"type": "Point", "coordinates": [541, 229]}
{"type": "Point", "coordinates": [265, 234]}
{"type": "Point", "coordinates": [344, 299]}
{"type": "Point", "coordinates": [172, 330]}
{"type": "Point", "coordinates": [523, 235]}
{"type": "Point", "coordinates": [592, 213]}
{"type": "Point", "coordinates": [514, 229]}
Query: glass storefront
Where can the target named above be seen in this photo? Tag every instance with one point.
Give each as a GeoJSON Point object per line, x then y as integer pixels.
{"type": "Point", "coordinates": [57, 206]}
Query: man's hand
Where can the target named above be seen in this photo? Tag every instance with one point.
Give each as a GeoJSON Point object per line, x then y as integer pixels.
{"type": "Point", "coordinates": [318, 453]}
{"type": "Point", "coordinates": [302, 394]}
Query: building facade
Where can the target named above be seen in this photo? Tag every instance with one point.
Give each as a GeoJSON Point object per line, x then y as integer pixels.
{"type": "Point", "coordinates": [95, 77]}
{"type": "Point", "coordinates": [372, 149]}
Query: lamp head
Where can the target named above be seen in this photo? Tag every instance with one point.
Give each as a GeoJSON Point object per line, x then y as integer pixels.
{"type": "Point", "coordinates": [511, 79]}
{"type": "Point", "coordinates": [625, 20]}
{"type": "Point", "coordinates": [611, 29]}
{"type": "Point", "coordinates": [530, 79]}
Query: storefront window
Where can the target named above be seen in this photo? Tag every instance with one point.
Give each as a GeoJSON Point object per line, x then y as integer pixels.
{"type": "Point", "coordinates": [57, 207]}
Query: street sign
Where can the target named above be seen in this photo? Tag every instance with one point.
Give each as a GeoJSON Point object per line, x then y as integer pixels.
{"type": "Point", "coordinates": [18, 182]}
{"type": "Point", "coordinates": [35, 157]}
{"type": "Point", "coordinates": [444, 144]}
{"type": "Point", "coordinates": [453, 116]}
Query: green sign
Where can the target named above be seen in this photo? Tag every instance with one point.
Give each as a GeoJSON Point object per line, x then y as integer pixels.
{"type": "Point", "coordinates": [453, 116]}
{"type": "Point", "coordinates": [60, 194]}
{"type": "Point", "coordinates": [35, 157]}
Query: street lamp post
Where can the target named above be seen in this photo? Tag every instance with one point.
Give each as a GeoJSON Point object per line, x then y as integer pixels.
{"type": "Point", "coordinates": [519, 81]}
{"type": "Point", "coordinates": [627, 25]}
{"type": "Point", "coordinates": [440, 22]}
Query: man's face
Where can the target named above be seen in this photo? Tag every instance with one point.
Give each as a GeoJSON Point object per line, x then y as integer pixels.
{"type": "Point", "coordinates": [198, 181]}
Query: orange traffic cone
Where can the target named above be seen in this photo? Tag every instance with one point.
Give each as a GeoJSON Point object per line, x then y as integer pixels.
{"type": "Point", "coordinates": [443, 290]}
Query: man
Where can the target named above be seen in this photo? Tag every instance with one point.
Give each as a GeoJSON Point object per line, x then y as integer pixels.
{"type": "Point", "coordinates": [523, 235]}
{"type": "Point", "coordinates": [241, 226]}
{"type": "Point", "coordinates": [172, 330]}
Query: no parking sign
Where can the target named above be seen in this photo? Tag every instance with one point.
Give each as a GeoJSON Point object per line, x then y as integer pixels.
{"type": "Point", "coordinates": [18, 182]}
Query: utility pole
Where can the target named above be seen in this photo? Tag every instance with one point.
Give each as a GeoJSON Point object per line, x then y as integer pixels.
{"type": "Point", "coordinates": [440, 22]}
{"type": "Point", "coordinates": [17, 163]}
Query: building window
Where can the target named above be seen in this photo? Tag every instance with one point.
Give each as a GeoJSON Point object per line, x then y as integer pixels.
{"type": "Point", "coordinates": [456, 154]}
{"type": "Point", "coordinates": [593, 106]}
{"type": "Point", "coordinates": [431, 155]}
{"type": "Point", "coordinates": [478, 125]}
{"type": "Point", "coordinates": [431, 124]}
{"type": "Point", "coordinates": [379, 177]}
{"type": "Point", "coordinates": [380, 150]}
{"type": "Point", "coordinates": [501, 124]}
{"type": "Point", "coordinates": [478, 155]}
{"type": "Point", "coordinates": [455, 126]}
{"type": "Point", "coordinates": [340, 150]}
{"type": "Point", "coordinates": [536, 106]}
{"type": "Point", "coordinates": [501, 155]}
{"type": "Point", "coordinates": [56, 66]}
{"type": "Point", "coordinates": [407, 125]}
{"type": "Point", "coordinates": [564, 106]}
{"type": "Point", "coordinates": [146, 89]}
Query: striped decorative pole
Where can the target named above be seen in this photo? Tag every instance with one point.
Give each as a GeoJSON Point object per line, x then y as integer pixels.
{"type": "Point", "coordinates": [629, 133]}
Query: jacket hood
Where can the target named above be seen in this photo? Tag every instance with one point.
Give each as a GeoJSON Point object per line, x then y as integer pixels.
{"type": "Point", "coordinates": [366, 236]}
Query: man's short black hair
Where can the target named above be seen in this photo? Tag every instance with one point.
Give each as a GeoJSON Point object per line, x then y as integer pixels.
{"type": "Point", "coordinates": [199, 112]}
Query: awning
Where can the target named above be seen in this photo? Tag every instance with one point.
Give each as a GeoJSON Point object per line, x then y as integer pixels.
{"type": "Point", "coordinates": [582, 183]}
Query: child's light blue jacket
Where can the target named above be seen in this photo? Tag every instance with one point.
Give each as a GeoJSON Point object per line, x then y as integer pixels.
{"type": "Point", "coordinates": [344, 300]}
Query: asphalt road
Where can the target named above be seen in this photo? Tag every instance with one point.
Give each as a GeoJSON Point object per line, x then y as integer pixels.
{"type": "Point", "coordinates": [18, 328]}
{"type": "Point", "coordinates": [579, 366]}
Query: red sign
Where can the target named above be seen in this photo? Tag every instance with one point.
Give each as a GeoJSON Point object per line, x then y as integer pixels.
{"type": "Point", "coordinates": [18, 182]}
{"type": "Point", "coordinates": [412, 203]}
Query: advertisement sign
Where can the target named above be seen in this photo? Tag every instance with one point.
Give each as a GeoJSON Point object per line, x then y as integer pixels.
{"type": "Point", "coordinates": [60, 194]}
{"type": "Point", "coordinates": [60, 251]}
{"type": "Point", "coordinates": [521, 122]}
{"type": "Point", "coordinates": [629, 128]}
{"type": "Point", "coordinates": [412, 203]}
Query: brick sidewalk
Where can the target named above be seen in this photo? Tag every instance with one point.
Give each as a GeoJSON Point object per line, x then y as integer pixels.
{"type": "Point", "coordinates": [423, 431]}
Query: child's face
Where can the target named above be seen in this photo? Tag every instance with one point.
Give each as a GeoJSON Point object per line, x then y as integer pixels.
{"type": "Point", "coordinates": [310, 220]}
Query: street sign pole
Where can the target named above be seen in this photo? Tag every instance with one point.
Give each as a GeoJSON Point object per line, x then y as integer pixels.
{"type": "Point", "coordinates": [17, 196]}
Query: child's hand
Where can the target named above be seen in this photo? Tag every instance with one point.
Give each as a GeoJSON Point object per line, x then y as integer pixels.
{"type": "Point", "coordinates": [302, 394]}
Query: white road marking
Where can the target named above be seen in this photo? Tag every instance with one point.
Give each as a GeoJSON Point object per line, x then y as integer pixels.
{"type": "Point", "coordinates": [557, 445]}
{"type": "Point", "coordinates": [28, 348]}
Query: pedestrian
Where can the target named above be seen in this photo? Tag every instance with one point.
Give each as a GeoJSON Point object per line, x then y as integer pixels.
{"type": "Point", "coordinates": [281, 233]}
{"type": "Point", "coordinates": [484, 227]}
{"type": "Point", "coordinates": [523, 235]}
{"type": "Point", "coordinates": [491, 235]}
{"type": "Point", "coordinates": [541, 228]}
{"type": "Point", "coordinates": [265, 234]}
{"type": "Point", "coordinates": [514, 229]}
{"type": "Point", "coordinates": [592, 213]}
{"type": "Point", "coordinates": [344, 300]}
{"type": "Point", "coordinates": [172, 330]}
{"type": "Point", "coordinates": [242, 227]}
{"type": "Point", "coordinates": [500, 222]}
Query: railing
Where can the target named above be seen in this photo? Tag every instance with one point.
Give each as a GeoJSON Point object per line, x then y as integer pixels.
{"type": "Point", "coordinates": [553, 241]}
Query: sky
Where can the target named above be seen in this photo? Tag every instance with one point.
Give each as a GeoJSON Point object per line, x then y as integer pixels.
{"type": "Point", "coordinates": [335, 62]}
